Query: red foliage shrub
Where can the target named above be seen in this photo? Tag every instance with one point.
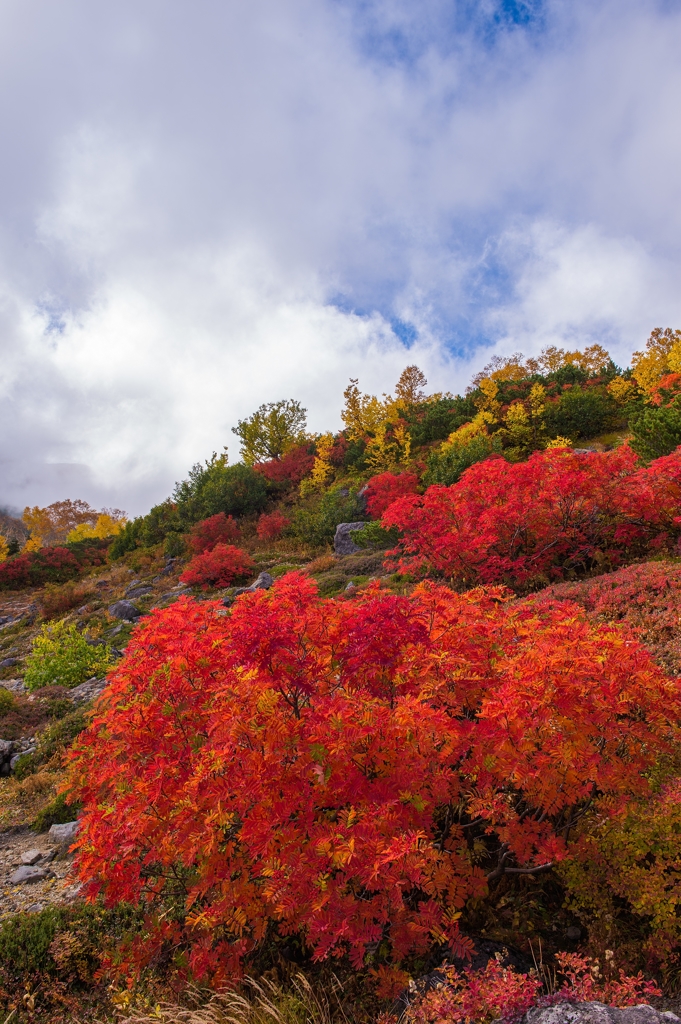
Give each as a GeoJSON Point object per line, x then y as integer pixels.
{"type": "Point", "coordinates": [218, 567]}
{"type": "Point", "coordinates": [271, 526]}
{"type": "Point", "coordinates": [645, 596]}
{"type": "Point", "coordinates": [385, 488]}
{"type": "Point", "coordinates": [328, 767]}
{"type": "Point", "coordinates": [48, 565]}
{"type": "Point", "coordinates": [219, 529]}
{"type": "Point", "coordinates": [523, 522]}
{"type": "Point", "coordinates": [291, 468]}
{"type": "Point", "coordinates": [500, 993]}
{"type": "Point", "coordinates": [339, 450]}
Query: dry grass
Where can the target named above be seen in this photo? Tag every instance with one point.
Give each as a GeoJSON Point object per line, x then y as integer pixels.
{"type": "Point", "coordinates": [321, 564]}
{"type": "Point", "coordinates": [57, 600]}
{"type": "Point", "coordinates": [262, 1002]}
{"type": "Point", "coordinates": [21, 801]}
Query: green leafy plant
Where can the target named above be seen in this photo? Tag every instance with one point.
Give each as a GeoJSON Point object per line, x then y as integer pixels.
{"type": "Point", "coordinates": [271, 431]}
{"type": "Point", "coordinates": [61, 656]}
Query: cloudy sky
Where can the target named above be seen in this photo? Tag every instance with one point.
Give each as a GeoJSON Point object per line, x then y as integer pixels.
{"type": "Point", "coordinates": [209, 205]}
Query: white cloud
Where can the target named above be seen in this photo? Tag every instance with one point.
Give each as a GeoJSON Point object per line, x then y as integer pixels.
{"type": "Point", "coordinates": [190, 189]}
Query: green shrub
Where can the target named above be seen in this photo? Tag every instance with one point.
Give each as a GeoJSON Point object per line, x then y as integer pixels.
{"type": "Point", "coordinates": [657, 431]}
{"type": "Point", "coordinates": [128, 538]}
{"type": "Point", "coordinates": [436, 420]}
{"type": "Point", "coordinates": [373, 535]}
{"type": "Point", "coordinates": [216, 487]}
{"type": "Point", "coordinates": [174, 545]}
{"type": "Point", "coordinates": [61, 656]}
{"type": "Point", "coordinates": [57, 812]}
{"type": "Point", "coordinates": [445, 467]}
{"type": "Point", "coordinates": [317, 523]}
{"type": "Point", "coordinates": [7, 700]}
{"type": "Point", "coordinates": [30, 948]}
{"type": "Point", "coordinates": [581, 413]}
{"type": "Point", "coordinates": [56, 737]}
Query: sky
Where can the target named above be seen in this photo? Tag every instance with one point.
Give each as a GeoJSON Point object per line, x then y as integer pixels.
{"type": "Point", "coordinates": [205, 206]}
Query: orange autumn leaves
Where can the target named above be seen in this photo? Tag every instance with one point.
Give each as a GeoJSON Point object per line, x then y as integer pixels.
{"type": "Point", "coordinates": [327, 766]}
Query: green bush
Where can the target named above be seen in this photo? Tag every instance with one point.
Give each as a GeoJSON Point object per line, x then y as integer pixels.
{"type": "Point", "coordinates": [28, 951]}
{"type": "Point", "coordinates": [374, 536]}
{"type": "Point", "coordinates": [445, 467]}
{"type": "Point", "coordinates": [436, 420]}
{"type": "Point", "coordinates": [128, 538]}
{"type": "Point", "coordinates": [657, 431]}
{"type": "Point", "coordinates": [581, 413]}
{"type": "Point", "coordinates": [216, 487]}
{"type": "Point", "coordinates": [174, 545]}
{"type": "Point", "coordinates": [7, 700]}
{"type": "Point", "coordinates": [317, 524]}
{"type": "Point", "coordinates": [57, 812]}
{"type": "Point", "coordinates": [61, 656]}
{"type": "Point", "coordinates": [56, 737]}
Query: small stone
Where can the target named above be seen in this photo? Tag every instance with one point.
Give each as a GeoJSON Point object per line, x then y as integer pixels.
{"type": "Point", "coordinates": [6, 749]}
{"type": "Point", "coordinates": [65, 833]}
{"type": "Point", "coordinates": [350, 588]}
{"type": "Point", "coordinates": [31, 857]}
{"type": "Point", "coordinates": [9, 662]}
{"type": "Point", "coordinates": [124, 610]}
{"type": "Point", "coordinates": [135, 592]}
{"type": "Point", "coordinates": [34, 908]}
{"type": "Point", "coordinates": [27, 875]}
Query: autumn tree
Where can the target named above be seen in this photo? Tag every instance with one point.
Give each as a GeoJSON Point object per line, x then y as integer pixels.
{"type": "Point", "coordinates": [378, 424]}
{"type": "Point", "coordinates": [51, 525]}
{"type": "Point", "coordinates": [409, 388]}
{"type": "Point", "coordinates": [652, 363]}
{"type": "Point", "coordinates": [271, 431]}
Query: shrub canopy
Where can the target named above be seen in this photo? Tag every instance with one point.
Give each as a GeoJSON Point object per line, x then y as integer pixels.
{"type": "Point", "coordinates": [354, 770]}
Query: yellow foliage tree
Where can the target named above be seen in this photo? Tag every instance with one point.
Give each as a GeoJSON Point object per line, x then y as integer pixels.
{"type": "Point", "coordinates": [108, 524]}
{"type": "Point", "coordinates": [409, 388]}
{"type": "Point", "coordinates": [487, 400]}
{"type": "Point", "coordinates": [4, 549]}
{"type": "Point", "coordinates": [622, 390]}
{"type": "Point", "coordinates": [379, 423]}
{"type": "Point", "coordinates": [648, 366]}
{"type": "Point", "coordinates": [322, 469]}
{"type": "Point", "coordinates": [59, 521]}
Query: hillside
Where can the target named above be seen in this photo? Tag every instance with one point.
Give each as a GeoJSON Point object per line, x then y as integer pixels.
{"type": "Point", "coordinates": [449, 727]}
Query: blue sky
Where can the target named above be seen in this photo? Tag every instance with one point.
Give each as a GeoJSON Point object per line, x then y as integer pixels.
{"type": "Point", "coordinates": [208, 206]}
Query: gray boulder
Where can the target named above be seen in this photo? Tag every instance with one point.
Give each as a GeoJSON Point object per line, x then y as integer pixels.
{"type": "Point", "coordinates": [597, 1013]}
{"type": "Point", "coordinates": [263, 582]}
{"type": "Point", "coordinates": [63, 834]}
{"type": "Point", "coordinates": [343, 544]}
{"type": "Point", "coordinates": [141, 591]}
{"type": "Point", "coordinates": [26, 875]}
{"type": "Point", "coordinates": [9, 662]}
{"type": "Point", "coordinates": [87, 691]}
{"type": "Point", "coordinates": [124, 610]}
